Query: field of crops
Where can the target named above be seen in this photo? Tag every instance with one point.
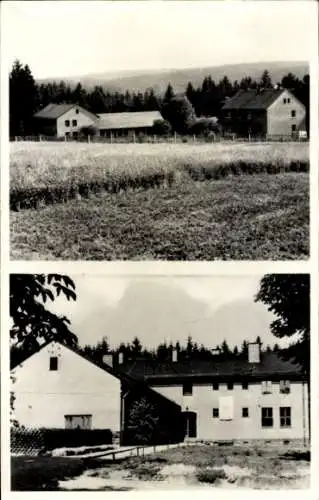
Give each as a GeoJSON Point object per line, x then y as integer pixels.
{"type": "Point", "coordinates": [45, 173]}
{"type": "Point", "coordinates": [161, 202]}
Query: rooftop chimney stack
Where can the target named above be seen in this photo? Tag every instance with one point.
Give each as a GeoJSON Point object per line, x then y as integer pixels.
{"type": "Point", "coordinates": [254, 352]}
{"type": "Point", "coordinates": [108, 360]}
{"type": "Point", "coordinates": [121, 358]}
{"type": "Point", "coordinates": [174, 356]}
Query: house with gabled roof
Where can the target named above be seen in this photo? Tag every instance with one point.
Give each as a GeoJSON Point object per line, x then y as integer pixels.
{"type": "Point", "coordinates": [57, 386]}
{"type": "Point", "coordinates": [69, 120]}
{"type": "Point", "coordinates": [63, 120]}
{"type": "Point", "coordinates": [274, 112]}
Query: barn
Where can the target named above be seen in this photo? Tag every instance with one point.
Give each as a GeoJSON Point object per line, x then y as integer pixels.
{"type": "Point", "coordinates": [268, 113]}
{"type": "Point", "coordinates": [127, 124]}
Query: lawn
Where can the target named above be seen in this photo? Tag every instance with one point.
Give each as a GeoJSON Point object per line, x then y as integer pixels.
{"type": "Point", "coordinates": [202, 465]}
{"type": "Point", "coordinates": [244, 217]}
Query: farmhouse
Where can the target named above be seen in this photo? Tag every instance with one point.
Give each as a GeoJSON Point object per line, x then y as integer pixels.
{"type": "Point", "coordinates": [63, 120]}
{"type": "Point", "coordinates": [264, 112]}
{"type": "Point", "coordinates": [69, 120]}
{"type": "Point", "coordinates": [260, 398]}
{"type": "Point", "coordinates": [58, 387]}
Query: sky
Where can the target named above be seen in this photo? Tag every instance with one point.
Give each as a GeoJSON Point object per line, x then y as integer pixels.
{"type": "Point", "coordinates": [167, 308]}
{"type": "Point", "coordinates": [70, 38]}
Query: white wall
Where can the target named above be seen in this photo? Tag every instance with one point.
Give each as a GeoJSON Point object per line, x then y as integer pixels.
{"type": "Point", "coordinates": [83, 120]}
{"type": "Point", "coordinates": [279, 119]}
{"type": "Point", "coordinates": [43, 397]}
{"type": "Point", "coordinates": [204, 399]}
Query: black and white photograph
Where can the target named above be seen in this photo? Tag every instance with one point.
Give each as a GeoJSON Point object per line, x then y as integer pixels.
{"type": "Point", "coordinates": [125, 383]}
{"type": "Point", "coordinates": [162, 131]}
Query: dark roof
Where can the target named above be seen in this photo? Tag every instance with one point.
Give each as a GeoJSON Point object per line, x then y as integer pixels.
{"type": "Point", "coordinates": [271, 366]}
{"type": "Point", "coordinates": [138, 119]}
{"type": "Point", "coordinates": [54, 111]}
{"type": "Point", "coordinates": [253, 99]}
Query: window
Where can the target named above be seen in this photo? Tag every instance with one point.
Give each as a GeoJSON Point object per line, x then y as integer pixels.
{"type": "Point", "coordinates": [266, 387]}
{"type": "Point", "coordinates": [78, 421]}
{"type": "Point", "coordinates": [288, 100]}
{"type": "Point", "coordinates": [285, 416]}
{"type": "Point", "coordinates": [74, 123]}
{"type": "Point", "coordinates": [215, 386]}
{"type": "Point", "coordinates": [187, 389]}
{"type": "Point", "coordinates": [245, 413]}
{"type": "Point", "coordinates": [293, 113]}
{"type": "Point", "coordinates": [53, 364]}
{"type": "Point", "coordinates": [244, 386]}
{"type": "Point", "coordinates": [67, 123]}
{"type": "Point", "coordinates": [230, 386]}
{"type": "Point", "coordinates": [267, 417]}
{"type": "Point", "coordinates": [215, 412]}
{"type": "Point", "coordinates": [285, 100]}
{"type": "Point", "coordinates": [284, 386]}
{"type": "Point", "coordinates": [293, 128]}
{"type": "Point", "coordinates": [77, 111]}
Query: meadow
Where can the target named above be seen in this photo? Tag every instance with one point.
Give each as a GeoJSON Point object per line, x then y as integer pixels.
{"type": "Point", "coordinates": [159, 201]}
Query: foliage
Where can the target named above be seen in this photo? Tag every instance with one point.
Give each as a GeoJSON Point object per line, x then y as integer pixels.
{"type": "Point", "coordinates": [287, 296]}
{"type": "Point", "coordinates": [31, 320]}
{"type": "Point", "coordinates": [142, 417]}
{"type": "Point", "coordinates": [162, 128]}
{"type": "Point", "coordinates": [23, 99]}
{"type": "Point", "coordinates": [242, 218]}
{"type": "Point", "coordinates": [210, 475]}
{"type": "Point", "coordinates": [179, 112]}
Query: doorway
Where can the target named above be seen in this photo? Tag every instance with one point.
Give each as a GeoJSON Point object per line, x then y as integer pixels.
{"type": "Point", "coordinates": [190, 424]}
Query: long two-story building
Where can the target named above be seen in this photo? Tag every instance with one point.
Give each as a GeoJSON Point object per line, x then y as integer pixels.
{"type": "Point", "coordinates": [262, 397]}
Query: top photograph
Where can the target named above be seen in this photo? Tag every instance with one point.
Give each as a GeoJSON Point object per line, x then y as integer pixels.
{"type": "Point", "coordinates": [159, 131]}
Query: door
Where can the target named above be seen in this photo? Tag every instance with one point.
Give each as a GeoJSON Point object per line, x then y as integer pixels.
{"type": "Point", "coordinates": [190, 424]}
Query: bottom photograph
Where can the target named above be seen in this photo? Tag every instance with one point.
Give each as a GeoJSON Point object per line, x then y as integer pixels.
{"type": "Point", "coordinates": [159, 382]}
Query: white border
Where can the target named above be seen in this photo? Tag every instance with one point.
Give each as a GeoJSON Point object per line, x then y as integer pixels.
{"type": "Point", "coordinates": [163, 268]}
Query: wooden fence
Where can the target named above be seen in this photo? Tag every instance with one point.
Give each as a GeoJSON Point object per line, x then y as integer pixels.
{"type": "Point", "coordinates": [154, 139]}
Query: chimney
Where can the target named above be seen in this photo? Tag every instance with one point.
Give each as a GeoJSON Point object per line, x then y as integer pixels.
{"type": "Point", "coordinates": [254, 352]}
{"type": "Point", "coordinates": [108, 360]}
{"type": "Point", "coordinates": [121, 358]}
{"type": "Point", "coordinates": [174, 355]}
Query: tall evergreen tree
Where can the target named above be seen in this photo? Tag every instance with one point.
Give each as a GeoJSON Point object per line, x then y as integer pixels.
{"type": "Point", "coordinates": [23, 97]}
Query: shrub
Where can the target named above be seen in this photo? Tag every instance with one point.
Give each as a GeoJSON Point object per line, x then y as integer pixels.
{"type": "Point", "coordinates": [161, 128]}
{"type": "Point", "coordinates": [210, 475]}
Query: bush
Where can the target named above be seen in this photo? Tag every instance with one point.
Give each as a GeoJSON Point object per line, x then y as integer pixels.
{"type": "Point", "coordinates": [161, 128]}
{"type": "Point", "coordinates": [210, 475]}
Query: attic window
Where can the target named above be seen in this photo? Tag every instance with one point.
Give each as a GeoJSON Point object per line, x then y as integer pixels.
{"type": "Point", "coordinates": [187, 389]}
{"type": "Point", "coordinates": [288, 100]}
{"type": "Point", "coordinates": [53, 364]}
{"type": "Point", "coordinates": [266, 387]}
{"type": "Point", "coordinates": [77, 111]}
{"type": "Point", "coordinates": [285, 100]}
{"type": "Point", "coordinates": [284, 387]}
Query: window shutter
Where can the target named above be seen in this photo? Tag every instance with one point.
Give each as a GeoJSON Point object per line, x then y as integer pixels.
{"type": "Point", "coordinates": [226, 408]}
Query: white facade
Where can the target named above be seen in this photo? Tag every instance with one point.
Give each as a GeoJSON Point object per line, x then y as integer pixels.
{"type": "Point", "coordinates": [229, 423]}
{"type": "Point", "coordinates": [77, 388]}
{"type": "Point", "coordinates": [285, 115]}
{"type": "Point", "coordinates": [72, 121]}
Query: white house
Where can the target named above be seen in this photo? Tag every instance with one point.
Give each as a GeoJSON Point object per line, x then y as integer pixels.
{"type": "Point", "coordinates": [59, 388]}
{"type": "Point", "coordinates": [63, 120]}
{"type": "Point", "coordinates": [260, 398]}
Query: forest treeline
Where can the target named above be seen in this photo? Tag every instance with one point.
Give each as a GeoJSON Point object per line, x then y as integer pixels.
{"type": "Point", "coordinates": [27, 96]}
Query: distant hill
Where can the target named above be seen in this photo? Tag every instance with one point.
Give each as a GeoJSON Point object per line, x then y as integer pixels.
{"type": "Point", "coordinates": [159, 79]}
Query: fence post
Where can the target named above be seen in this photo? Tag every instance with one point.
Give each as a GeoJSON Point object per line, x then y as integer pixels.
{"type": "Point", "coordinates": [175, 137]}
{"type": "Point", "coordinates": [111, 137]}
{"type": "Point", "coordinates": [194, 137]}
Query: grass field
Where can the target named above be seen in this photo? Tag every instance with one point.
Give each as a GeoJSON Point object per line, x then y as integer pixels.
{"type": "Point", "coordinates": [196, 466]}
{"type": "Point", "coordinates": [171, 202]}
